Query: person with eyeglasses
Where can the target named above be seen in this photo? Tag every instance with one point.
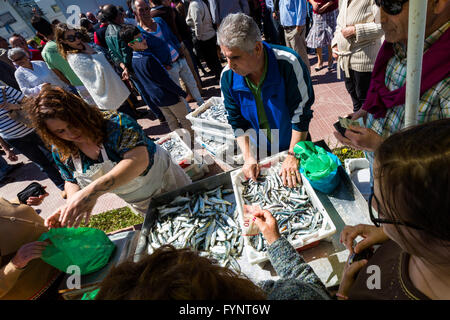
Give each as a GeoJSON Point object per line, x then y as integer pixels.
{"type": "Point", "coordinates": [32, 75]}
{"type": "Point", "coordinates": [160, 89]}
{"type": "Point", "coordinates": [104, 85]}
{"type": "Point", "coordinates": [409, 207]}
{"type": "Point", "coordinates": [384, 107]}
{"type": "Point", "coordinates": [54, 60]}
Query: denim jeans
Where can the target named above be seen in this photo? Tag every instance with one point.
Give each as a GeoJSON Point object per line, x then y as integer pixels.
{"type": "Point", "coordinates": [34, 149]}
{"type": "Point", "coordinates": [180, 69]}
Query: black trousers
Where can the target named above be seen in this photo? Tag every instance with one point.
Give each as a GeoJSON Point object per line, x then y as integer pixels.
{"type": "Point", "coordinates": [209, 53]}
{"type": "Point", "coordinates": [357, 86]}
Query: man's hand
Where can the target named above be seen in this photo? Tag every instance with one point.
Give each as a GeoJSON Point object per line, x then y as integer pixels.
{"type": "Point", "coordinates": [289, 173]}
{"type": "Point", "coordinates": [251, 168]}
{"type": "Point", "coordinates": [349, 31]}
{"type": "Point", "coordinates": [360, 138]}
{"type": "Point", "coordinates": [28, 252]}
{"type": "Point", "coordinates": [359, 114]}
{"type": "Point", "coordinates": [275, 15]}
{"type": "Point", "coordinates": [35, 201]}
{"type": "Point", "coordinates": [267, 225]}
{"type": "Point", "coordinates": [371, 234]}
{"type": "Point", "coordinates": [299, 28]}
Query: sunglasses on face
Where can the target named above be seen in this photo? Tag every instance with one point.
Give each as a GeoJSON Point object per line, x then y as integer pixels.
{"type": "Point", "coordinates": [377, 221]}
{"type": "Point", "coordinates": [72, 38]}
{"type": "Point", "coordinates": [391, 7]}
{"type": "Point", "coordinates": [136, 40]}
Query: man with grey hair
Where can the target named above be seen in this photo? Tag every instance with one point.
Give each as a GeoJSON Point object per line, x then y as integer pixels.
{"type": "Point", "coordinates": [267, 88]}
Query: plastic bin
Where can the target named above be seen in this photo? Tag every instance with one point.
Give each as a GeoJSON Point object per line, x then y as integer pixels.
{"type": "Point", "coordinates": [328, 228]}
{"type": "Point", "coordinates": [188, 158]}
{"type": "Point", "coordinates": [220, 128]}
{"type": "Point", "coordinates": [359, 172]}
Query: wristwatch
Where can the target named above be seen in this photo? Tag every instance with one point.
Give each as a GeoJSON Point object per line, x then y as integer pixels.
{"type": "Point", "coordinates": [291, 153]}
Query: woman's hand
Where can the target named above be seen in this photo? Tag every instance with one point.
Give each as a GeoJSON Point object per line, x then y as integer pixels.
{"type": "Point", "coordinates": [251, 168]}
{"type": "Point", "coordinates": [372, 235]}
{"type": "Point", "coordinates": [289, 173]}
{"type": "Point", "coordinates": [335, 55]}
{"type": "Point", "coordinates": [349, 276]}
{"type": "Point", "coordinates": [349, 31]}
{"type": "Point", "coordinates": [78, 206]}
{"type": "Point", "coordinates": [28, 252]}
{"type": "Point", "coordinates": [35, 201]}
{"type": "Point", "coordinates": [267, 225]}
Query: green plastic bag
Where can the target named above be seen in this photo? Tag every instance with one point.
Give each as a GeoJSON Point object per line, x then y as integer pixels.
{"type": "Point", "coordinates": [90, 295]}
{"type": "Point", "coordinates": [314, 160]}
{"type": "Point", "coordinates": [87, 248]}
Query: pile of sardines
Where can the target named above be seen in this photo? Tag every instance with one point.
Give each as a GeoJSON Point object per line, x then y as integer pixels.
{"type": "Point", "coordinates": [176, 149]}
{"type": "Point", "coordinates": [290, 206]}
{"type": "Point", "coordinates": [204, 222]}
{"type": "Point", "coordinates": [216, 112]}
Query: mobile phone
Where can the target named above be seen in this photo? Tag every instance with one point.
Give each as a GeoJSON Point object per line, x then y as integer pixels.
{"type": "Point", "coordinates": [339, 128]}
{"type": "Point", "coordinates": [365, 254]}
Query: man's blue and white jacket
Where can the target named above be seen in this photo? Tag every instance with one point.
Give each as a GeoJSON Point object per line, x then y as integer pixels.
{"type": "Point", "coordinates": [287, 95]}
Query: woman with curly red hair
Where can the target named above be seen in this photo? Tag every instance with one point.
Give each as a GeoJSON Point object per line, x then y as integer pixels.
{"type": "Point", "coordinates": [99, 152]}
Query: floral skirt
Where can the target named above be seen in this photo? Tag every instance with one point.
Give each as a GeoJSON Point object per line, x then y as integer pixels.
{"type": "Point", "coordinates": [322, 31]}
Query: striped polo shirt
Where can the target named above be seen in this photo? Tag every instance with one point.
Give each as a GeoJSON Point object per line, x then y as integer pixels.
{"type": "Point", "coordinates": [9, 128]}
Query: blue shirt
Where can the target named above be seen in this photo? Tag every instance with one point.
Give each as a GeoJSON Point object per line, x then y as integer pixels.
{"type": "Point", "coordinates": [158, 87]}
{"type": "Point", "coordinates": [158, 33]}
{"type": "Point", "coordinates": [157, 47]}
{"type": "Point", "coordinates": [270, 5]}
{"type": "Point", "coordinates": [293, 13]}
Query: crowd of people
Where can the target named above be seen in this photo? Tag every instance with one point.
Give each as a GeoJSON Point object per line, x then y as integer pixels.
{"type": "Point", "coordinates": [69, 104]}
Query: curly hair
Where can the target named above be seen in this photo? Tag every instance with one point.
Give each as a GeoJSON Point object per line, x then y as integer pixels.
{"type": "Point", "coordinates": [63, 48]}
{"type": "Point", "coordinates": [176, 274]}
{"type": "Point", "coordinates": [56, 103]}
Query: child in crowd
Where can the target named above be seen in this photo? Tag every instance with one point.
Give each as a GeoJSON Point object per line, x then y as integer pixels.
{"type": "Point", "coordinates": [158, 86]}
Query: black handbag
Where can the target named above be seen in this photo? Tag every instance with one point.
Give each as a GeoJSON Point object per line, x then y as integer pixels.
{"type": "Point", "coordinates": [33, 190]}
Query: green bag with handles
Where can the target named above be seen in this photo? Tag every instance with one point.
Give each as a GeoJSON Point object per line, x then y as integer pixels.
{"type": "Point", "coordinates": [88, 248]}
{"type": "Point", "coordinates": [318, 166]}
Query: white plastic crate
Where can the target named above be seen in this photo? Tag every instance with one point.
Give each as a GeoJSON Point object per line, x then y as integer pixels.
{"type": "Point", "coordinates": [188, 158]}
{"type": "Point", "coordinates": [219, 128]}
{"type": "Point", "coordinates": [359, 172]}
{"type": "Point", "coordinates": [328, 228]}
{"type": "Point", "coordinates": [215, 151]}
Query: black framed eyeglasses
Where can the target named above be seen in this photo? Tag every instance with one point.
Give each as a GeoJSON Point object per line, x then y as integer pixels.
{"type": "Point", "coordinates": [377, 221]}
{"type": "Point", "coordinates": [72, 38]}
{"type": "Point", "coordinates": [391, 7]}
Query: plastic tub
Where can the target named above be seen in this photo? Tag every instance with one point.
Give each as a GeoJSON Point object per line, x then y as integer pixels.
{"type": "Point", "coordinates": [327, 229]}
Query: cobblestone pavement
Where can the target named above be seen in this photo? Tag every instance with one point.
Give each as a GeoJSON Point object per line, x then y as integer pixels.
{"type": "Point", "coordinates": [331, 101]}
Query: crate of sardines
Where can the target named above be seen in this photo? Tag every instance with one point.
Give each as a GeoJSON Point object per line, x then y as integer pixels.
{"type": "Point", "coordinates": [211, 116]}
{"type": "Point", "coordinates": [179, 151]}
{"type": "Point", "coordinates": [301, 217]}
{"type": "Point", "coordinates": [200, 216]}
